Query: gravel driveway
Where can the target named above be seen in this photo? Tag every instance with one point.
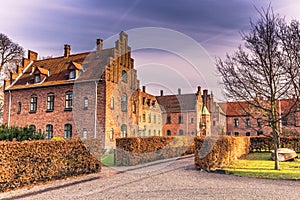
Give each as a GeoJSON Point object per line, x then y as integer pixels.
{"type": "Point", "coordinates": [171, 179]}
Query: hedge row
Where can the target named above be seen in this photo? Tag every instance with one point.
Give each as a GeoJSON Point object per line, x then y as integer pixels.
{"type": "Point", "coordinates": [133, 151]}
{"type": "Point", "coordinates": [262, 143]}
{"type": "Point", "coordinates": [29, 162]}
{"type": "Point", "coordinates": [213, 152]}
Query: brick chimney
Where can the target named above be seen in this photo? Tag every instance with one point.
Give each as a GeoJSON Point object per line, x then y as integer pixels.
{"type": "Point", "coordinates": [199, 90]}
{"type": "Point", "coordinates": [32, 55]}
{"type": "Point", "coordinates": [99, 47]}
{"type": "Point", "coordinates": [179, 91]}
{"type": "Point", "coordinates": [144, 89]}
{"type": "Point", "coordinates": [161, 93]}
{"type": "Point", "coordinates": [205, 94]}
{"type": "Point", "coordinates": [67, 50]}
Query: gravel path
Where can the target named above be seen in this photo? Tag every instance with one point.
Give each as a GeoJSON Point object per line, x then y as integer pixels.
{"type": "Point", "coordinates": [172, 179]}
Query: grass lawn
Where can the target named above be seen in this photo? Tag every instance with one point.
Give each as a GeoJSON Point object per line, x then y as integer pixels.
{"type": "Point", "coordinates": [260, 165]}
{"type": "Point", "coordinates": [107, 159]}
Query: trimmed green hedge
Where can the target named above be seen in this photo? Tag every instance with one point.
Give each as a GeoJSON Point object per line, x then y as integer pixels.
{"type": "Point", "coordinates": [19, 133]}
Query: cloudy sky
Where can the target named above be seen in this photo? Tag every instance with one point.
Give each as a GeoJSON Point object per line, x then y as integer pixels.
{"type": "Point", "coordinates": [211, 27]}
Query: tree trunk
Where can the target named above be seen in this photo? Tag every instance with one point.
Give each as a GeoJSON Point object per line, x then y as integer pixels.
{"type": "Point", "coordinates": [276, 146]}
{"type": "Point", "coordinates": [275, 132]}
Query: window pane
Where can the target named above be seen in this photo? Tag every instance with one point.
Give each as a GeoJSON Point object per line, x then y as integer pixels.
{"type": "Point", "coordinates": [123, 130]}
{"type": "Point", "coordinates": [49, 131]}
{"type": "Point", "coordinates": [69, 98]}
{"type": "Point", "coordinates": [112, 103]}
{"type": "Point", "coordinates": [50, 102]}
{"type": "Point", "coordinates": [19, 107]}
{"type": "Point", "coordinates": [124, 103]}
{"type": "Point", "coordinates": [86, 103]}
{"type": "Point", "coordinates": [84, 133]}
{"type": "Point", "coordinates": [68, 130]}
{"type": "Point", "coordinates": [37, 78]}
{"type": "Point", "coordinates": [33, 104]}
{"type": "Point", "coordinates": [72, 74]}
{"type": "Point", "coordinates": [124, 76]}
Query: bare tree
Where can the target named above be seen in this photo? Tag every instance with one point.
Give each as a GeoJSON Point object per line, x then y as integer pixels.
{"type": "Point", "coordinates": [10, 56]}
{"type": "Point", "coordinates": [10, 53]}
{"type": "Point", "coordinates": [262, 66]}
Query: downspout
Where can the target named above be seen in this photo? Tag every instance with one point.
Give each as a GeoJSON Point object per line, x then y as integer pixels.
{"type": "Point", "coordinates": [9, 107]}
{"type": "Point", "coordinates": [95, 117]}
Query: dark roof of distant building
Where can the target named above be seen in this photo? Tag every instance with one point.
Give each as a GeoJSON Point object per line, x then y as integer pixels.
{"type": "Point", "coordinates": [177, 103]}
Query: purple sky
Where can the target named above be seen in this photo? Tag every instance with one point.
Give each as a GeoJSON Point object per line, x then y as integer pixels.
{"type": "Point", "coordinates": [214, 24]}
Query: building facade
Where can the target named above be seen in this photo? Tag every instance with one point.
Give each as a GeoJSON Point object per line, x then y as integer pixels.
{"type": "Point", "coordinates": [97, 95]}
{"type": "Point", "coordinates": [244, 120]}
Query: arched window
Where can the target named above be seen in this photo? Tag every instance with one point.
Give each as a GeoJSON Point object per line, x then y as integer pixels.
{"type": "Point", "coordinates": [123, 130]}
{"type": "Point", "coordinates": [68, 131]}
{"type": "Point", "coordinates": [180, 132]}
{"type": "Point", "coordinates": [124, 103]}
{"type": "Point", "coordinates": [85, 103]}
{"type": "Point", "coordinates": [50, 102]}
{"type": "Point", "coordinates": [49, 131]}
{"type": "Point", "coordinates": [124, 76]}
{"type": "Point", "coordinates": [33, 103]}
{"type": "Point", "coordinates": [168, 133]}
{"type": "Point", "coordinates": [68, 100]}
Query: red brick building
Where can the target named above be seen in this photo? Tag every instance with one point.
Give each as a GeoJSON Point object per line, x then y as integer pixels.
{"type": "Point", "coordinates": [239, 122]}
{"type": "Point", "coordinates": [91, 94]}
{"type": "Point", "coordinates": [97, 94]}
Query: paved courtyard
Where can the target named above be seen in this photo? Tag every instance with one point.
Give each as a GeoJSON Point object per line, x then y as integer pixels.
{"type": "Point", "coordinates": [171, 179]}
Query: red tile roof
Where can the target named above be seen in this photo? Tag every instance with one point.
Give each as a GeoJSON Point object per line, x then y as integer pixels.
{"type": "Point", "coordinates": [93, 69]}
{"type": "Point", "coordinates": [241, 108]}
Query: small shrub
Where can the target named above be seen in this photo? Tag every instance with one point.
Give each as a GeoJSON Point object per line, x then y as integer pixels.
{"type": "Point", "coordinates": [19, 133]}
{"type": "Point", "coordinates": [57, 138]}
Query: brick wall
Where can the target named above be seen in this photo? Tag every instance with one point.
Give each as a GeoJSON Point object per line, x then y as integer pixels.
{"type": "Point", "coordinates": [189, 125]}
{"type": "Point", "coordinates": [80, 118]}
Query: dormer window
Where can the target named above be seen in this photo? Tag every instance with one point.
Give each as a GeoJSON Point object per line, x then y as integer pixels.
{"type": "Point", "coordinates": [39, 74]}
{"type": "Point", "coordinates": [74, 69]}
{"type": "Point", "coordinates": [37, 78]}
{"type": "Point", "coordinates": [72, 74]}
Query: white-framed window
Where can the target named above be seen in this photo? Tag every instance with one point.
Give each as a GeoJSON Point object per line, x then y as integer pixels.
{"type": "Point", "coordinates": [50, 102]}
{"type": "Point", "coordinates": [69, 100]}
{"type": "Point", "coordinates": [85, 103]}
{"type": "Point", "coordinates": [49, 131]}
{"type": "Point", "coordinates": [33, 103]}
{"type": "Point", "coordinates": [68, 131]}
